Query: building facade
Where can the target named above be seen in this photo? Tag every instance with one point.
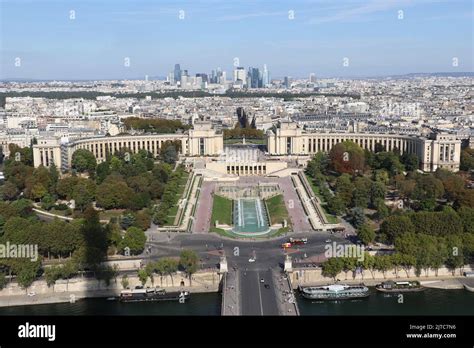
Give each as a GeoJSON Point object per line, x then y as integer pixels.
{"type": "Point", "coordinates": [203, 140]}
{"type": "Point", "coordinates": [437, 151]}
{"type": "Point", "coordinates": [440, 151]}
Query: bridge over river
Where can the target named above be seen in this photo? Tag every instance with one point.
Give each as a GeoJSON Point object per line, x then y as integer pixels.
{"type": "Point", "coordinates": [257, 292]}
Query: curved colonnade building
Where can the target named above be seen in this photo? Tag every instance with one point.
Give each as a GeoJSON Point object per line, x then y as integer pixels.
{"type": "Point", "coordinates": [438, 151]}
{"type": "Point", "coordinates": [202, 140]}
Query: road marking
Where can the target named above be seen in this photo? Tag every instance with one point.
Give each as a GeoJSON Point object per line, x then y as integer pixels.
{"type": "Point", "coordinates": [259, 292]}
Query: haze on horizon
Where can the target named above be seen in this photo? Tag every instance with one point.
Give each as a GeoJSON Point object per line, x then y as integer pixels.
{"type": "Point", "coordinates": [91, 40]}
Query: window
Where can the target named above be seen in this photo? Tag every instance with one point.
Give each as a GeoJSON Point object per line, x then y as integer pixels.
{"type": "Point", "coordinates": [201, 146]}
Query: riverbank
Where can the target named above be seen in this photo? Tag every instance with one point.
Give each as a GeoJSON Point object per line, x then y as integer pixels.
{"type": "Point", "coordinates": [76, 289]}
{"type": "Point", "coordinates": [442, 278]}
{"type": "Point", "coordinates": [74, 296]}
{"type": "Point", "coordinates": [440, 283]}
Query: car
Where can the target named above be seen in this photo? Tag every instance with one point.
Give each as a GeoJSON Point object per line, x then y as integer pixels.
{"type": "Point", "coordinates": [262, 280]}
{"type": "Point", "coordinates": [286, 245]}
{"type": "Point", "coordinates": [251, 260]}
{"type": "Point", "coordinates": [267, 286]}
{"type": "Point", "coordinates": [298, 241]}
{"type": "Point", "coordinates": [328, 241]}
{"type": "Point", "coordinates": [32, 293]}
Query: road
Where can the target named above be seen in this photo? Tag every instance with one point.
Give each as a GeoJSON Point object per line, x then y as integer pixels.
{"type": "Point", "coordinates": [210, 247]}
{"type": "Point", "coordinates": [255, 298]}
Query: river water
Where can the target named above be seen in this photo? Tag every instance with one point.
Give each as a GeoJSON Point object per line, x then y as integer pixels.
{"type": "Point", "coordinates": [428, 302]}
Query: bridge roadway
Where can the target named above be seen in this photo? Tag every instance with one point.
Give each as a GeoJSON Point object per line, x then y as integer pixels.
{"type": "Point", "coordinates": [257, 292]}
{"type": "Point", "coordinates": [244, 291]}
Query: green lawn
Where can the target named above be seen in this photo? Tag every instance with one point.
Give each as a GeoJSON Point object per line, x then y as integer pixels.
{"type": "Point", "coordinates": [332, 219]}
{"type": "Point", "coordinates": [221, 210]}
{"type": "Point", "coordinates": [222, 232]}
{"type": "Point", "coordinates": [174, 208]}
{"type": "Point", "coordinates": [277, 210]}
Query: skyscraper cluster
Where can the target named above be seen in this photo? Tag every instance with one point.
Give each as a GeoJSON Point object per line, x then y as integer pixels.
{"type": "Point", "coordinates": [253, 78]}
{"type": "Point", "coordinates": [181, 78]}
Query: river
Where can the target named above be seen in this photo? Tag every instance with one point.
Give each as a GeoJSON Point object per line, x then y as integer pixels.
{"type": "Point", "coordinates": [428, 302]}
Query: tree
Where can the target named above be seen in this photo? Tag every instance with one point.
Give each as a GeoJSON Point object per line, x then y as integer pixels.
{"type": "Point", "coordinates": [188, 260]}
{"type": "Point", "coordinates": [366, 234]}
{"type": "Point", "coordinates": [377, 192]}
{"type": "Point", "coordinates": [134, 239]}
{"type": "Point", "coordinates": [143, 220]}
{"type": "Point", "coordinates": [125, 283]}
{"type": "Point", "coordinates": [383, 263]}
{"type": "Point", "coordinates": [467, 159]}
{"type": "Point", "coordinates": [347, 157]}
{"type": "Point", "coordinates": [3, 281]}
{"type": "Point", "coordinates": [2, 225]}
{"type": "Point", "coordinates": [396, 225]}
{"type": "Point", "coordinates": [18, 230]}
{"type": "Point", "coordinates": [169, 154]}
{"type": "Point", "coordinates": [428, 187]}
{"type": "Point", "coordinates": [9, 191]}
{"type": "Point", "coordinates": [102, 170]}
{"type": "Point", "coordinates": [53, 174]}
{"type": "Point", "coordinates": [357, 217]}
{"type": "Point", "coordinates": [407, 262]}
{"type": "Point", "coordinates": [83, 193]}
{"type": "Point", "coordinates": [84, 161]}
{"type": "Point", "coordinates": [171, 267]}
{"type": "Point", "coordinates": [113, 193]}
{"type": "Point", "coordinates": [467, 218]}
{"type": "Point", "coordinates": [349, 265]}
{"type": "Point", "coordinates": [344, 189]}
{"type": "Point", "coordinates": [150, 269]}
{"type": "Point", "coordinates": [382, 209]}
{"type": "Point", "coordinates": [318, 164]}
{"type": "Point", "coordinates": [143, 276]}
{"type": "Point", "coordinates": [410, 161]}
{"type": "Point", "coordinates": [381, 175]}
{"type": "Point", "coordinates": [65, 186]}
{"type": "Point", "coordinates": [361, 193]}
{"type": "Point", "coordinates": [388, 161]}
{"type": "Point", "coordinates": [332, 267]}
{"type": "Point", "coordinates": [336, 205]}
{"type": "Point", "coordinates": [26, 272]}
{"type": "Point", "coordinates": [453, 186]}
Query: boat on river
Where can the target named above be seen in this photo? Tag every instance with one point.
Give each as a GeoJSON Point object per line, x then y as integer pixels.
{"type": "Point", "coordinates": [335, 292]}
{"type": "Point", "coordinates": [396, 287]}
{"type": "Point", "coordinates": [153, 294]}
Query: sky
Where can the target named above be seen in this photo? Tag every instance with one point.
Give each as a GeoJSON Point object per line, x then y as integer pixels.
{"type": "Point", "coordinates": [118, 39]}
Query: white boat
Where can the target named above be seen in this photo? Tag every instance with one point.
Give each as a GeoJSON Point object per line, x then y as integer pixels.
{"type": "Point", "coordinates": [335, 292]}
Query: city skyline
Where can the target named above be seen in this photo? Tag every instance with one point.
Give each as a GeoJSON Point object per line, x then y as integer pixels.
{"type": "Point", "coordinates": [83, 40]}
